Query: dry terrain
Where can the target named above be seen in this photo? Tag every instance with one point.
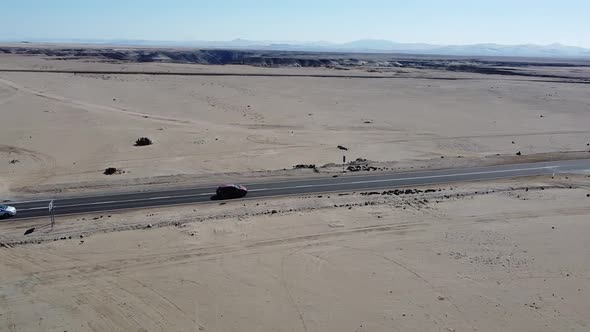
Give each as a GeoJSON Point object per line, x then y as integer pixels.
{"type": "Point", "coordinates": [62, 129]}
{"type": "Point", "coordinates": [510, 255]}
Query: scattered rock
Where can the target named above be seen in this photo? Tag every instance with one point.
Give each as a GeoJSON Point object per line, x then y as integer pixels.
{"type": "Point", "coordinates": [441, 298]}
{"type": "Point", "coordinates": [149, 226]}
{"type": "Point", "coordinates": [519, 153]}
{"type": "Point", "coordinates": [533, 305]}
{"type": "Point", "coordinates": [304, 166]}
{"type": "Point", "coordinates": [342, 148]}
{"type": "Point", "coordinates": [14, 161]}
{"type": "Point", "coordinates": [358, 168]}
{"type": "Point", "coordinates": [81, 236]}
{"type": "Point", "coordinates": [273, 212]}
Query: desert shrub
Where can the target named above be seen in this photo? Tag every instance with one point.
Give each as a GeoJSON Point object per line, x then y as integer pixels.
{"type": "Point", "coordinates": [110, 171]}
{"type": "Point", "coordinates": [143, 141]}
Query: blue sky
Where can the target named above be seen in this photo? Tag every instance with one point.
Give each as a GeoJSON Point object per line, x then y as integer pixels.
{"type": "Point", "coordinates": [428, 21]}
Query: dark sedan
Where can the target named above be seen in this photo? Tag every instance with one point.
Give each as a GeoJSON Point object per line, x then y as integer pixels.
{"type": "Point", "coordinates": [230, 191]}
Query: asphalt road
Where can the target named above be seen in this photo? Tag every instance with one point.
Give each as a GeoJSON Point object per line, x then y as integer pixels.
{"type": "Point", "coordinates": [346, 182]}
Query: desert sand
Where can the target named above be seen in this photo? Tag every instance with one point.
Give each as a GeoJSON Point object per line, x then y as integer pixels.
{"type": "Point", "coordinates": [510, 255]}
{"type": "Point", "coordinates": [67, 128]}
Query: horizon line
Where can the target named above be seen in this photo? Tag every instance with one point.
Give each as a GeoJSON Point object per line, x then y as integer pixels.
{"type": "Point", "coordinates": [270, 42]}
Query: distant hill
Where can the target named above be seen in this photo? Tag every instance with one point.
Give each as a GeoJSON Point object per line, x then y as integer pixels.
{"type": "Point", "coordinates": [385, 46]}
{"type": "Point", "coordinates": [366, 46]}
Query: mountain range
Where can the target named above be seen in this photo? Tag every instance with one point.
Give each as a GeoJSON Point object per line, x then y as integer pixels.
{"type": "Point", "coordinates": [362, 46]}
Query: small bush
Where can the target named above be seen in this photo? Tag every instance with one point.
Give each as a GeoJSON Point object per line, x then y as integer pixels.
{"type": "Point", "coordinates": [143, 141]}
{"type": "Point", "coordinates": [110, 171]}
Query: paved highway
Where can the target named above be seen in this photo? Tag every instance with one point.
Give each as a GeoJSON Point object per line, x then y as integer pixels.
{"type": "Point", "coordinates": [346, 182]}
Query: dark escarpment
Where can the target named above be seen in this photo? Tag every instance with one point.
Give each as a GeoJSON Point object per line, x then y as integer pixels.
{"type": "Point", "coordinates": [342, 61]}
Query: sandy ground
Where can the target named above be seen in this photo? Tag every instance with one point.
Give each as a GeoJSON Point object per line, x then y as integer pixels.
{"type": "Point", "coordinates": [508, 256]}
{"type": "Point", "coordinates": [67, 128]}
{"type": "Point", "coordinates": [505, 256]}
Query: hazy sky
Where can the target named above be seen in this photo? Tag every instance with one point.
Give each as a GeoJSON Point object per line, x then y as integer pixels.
{"type": "Point", "coordinates": [429, 21]}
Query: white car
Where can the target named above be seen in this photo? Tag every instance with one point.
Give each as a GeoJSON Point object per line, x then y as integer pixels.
{"type": "Point", "coordinates": [7, 211]}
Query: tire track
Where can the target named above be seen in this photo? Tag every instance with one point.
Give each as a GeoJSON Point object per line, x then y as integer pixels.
{"type": "Point", "coordinates": [90, 106]}
{"type": "Point", "coordinates": [177, 255]}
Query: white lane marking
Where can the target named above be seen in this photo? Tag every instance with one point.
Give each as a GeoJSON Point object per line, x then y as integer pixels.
{"type": "Point", "coordinates": [306, 186]}
{"type": "Point", "coordinates": [565, 163]}
{"type": "Point", "coordinates": [408, 178]}
{"type": "Point", "coordinates": [113, 202]}
{"type": "Point", "coordinates": [245, 199]}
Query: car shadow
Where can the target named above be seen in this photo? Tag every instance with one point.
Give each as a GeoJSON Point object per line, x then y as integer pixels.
{"type": "Point", "coordinates": [218, 198]}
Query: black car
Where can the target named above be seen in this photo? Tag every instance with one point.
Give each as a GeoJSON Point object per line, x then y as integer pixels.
{"type": "Point", "coordinates": [229, 191]}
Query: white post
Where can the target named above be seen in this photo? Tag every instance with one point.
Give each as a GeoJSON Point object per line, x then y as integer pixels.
{"type": "Point", "coordinates": [51, 214]}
